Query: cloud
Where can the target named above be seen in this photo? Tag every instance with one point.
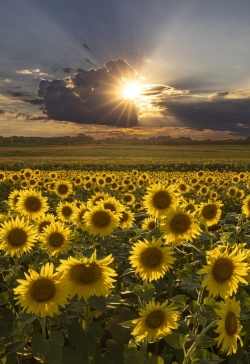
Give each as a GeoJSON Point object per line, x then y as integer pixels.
{"type": "Point", "coordinates": [67, 69]}
{"type": "Point", "coordinates": [91, 97]}
{"type": "Point", "coordinates": [18, 94]}
{"type": "Point", "coordinates": [33, 71]}
{"type": "Point", "coordinates": [86, 47]}
{"type": "Point", "coordinates": [222, 111]}
{"type": "Point", "coordinates": [88, 61]}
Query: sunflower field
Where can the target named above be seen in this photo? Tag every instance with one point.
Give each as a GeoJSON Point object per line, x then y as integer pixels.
{"type": "Point", "coordinates": [124, 267]}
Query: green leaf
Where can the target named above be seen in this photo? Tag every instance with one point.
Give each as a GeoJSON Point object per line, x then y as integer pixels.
{"type": "Point", "coordinates": [206, 342]}
{"type": "Point", "coordinates": [70, 355]}
{"type": "Point", "coordinates": [180, 301]}
{"type": "Point", "coordinates": [50, 349]}
{"type": "Point", "coordinates": [74, 329]}
{"type": "Point", "coordinates": [132, 355]}
{"type": "Point", "coordinates": [126, 314]}
{"type": "Point", "coordinates": [86, 343]}
{"type": "Point", "coordinates": [175, 340]}
{"type": "Point", "coordinates": [120, 334]}
{"type": "Point", "coordinates": [74, 309]}
{"type": "Point", "coordinates": [99, 303]}
{"type": "Point", "coordinates": [95, 328]}
{"type": "Point", "coordinates": [202, 356]}
{"type": "Point", "coordinates": [225, 237]}
{"type": "Point", "coordinates": [138, 290]}
{"type": "Point", "coordinates": [6, 320]}
{"type": "Point", "coordinates": [241, 357]}
{"type": "Point", "coordinates": [190, 283]}
{"type": "Point", "coordinates": [16, 346]}
{"type": "Point", "coordinates": [155, 360]}
{"type": "Point", "coordinates": [114, 351]}
{"type": "Point", "coordinates": [4, 298]}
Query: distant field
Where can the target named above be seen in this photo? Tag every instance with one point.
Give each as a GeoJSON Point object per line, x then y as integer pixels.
{"type": "Point", "coordinates": [122, 154]}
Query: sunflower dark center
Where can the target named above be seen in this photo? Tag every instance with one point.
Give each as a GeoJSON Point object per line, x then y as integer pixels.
{"type": "Point", "coordinates": [86, 274]}
{"type": "Point", "coordinates": [151, 225]}
{"type": "Point", "coordinates": [56, 239]}
{"type": "Point", "coordinates": [43, 225]}
{"type": "Point", "coordinates": [17, 237]}
{"type": "Point", "coordinates": [43, 290]}
{"type": "Point", "coordinates": [101, 219]}
{"type": "Point", "coordinates": [155, 319]}
{"type": "Point", "coordinates": [32, 204]}
{"type": "Point", "coordinates": [151, 257]}
{"type": "Point", "coordinates": [223, 270]}
{"type": "Point", "coordinates": [231, 323]}
{"type": "Point", "coordinates": [109, 206]}
{"type": "Point", "coordinates": [124, 217]}
{"type": "Point", "coordinates": [67, 211]}
{"type": "Point", "coordinates": [161, 200]}
{"type": "Point", "coordinates": [209, 211]}
{"type": "Point", "coordinates": [63, 189]}
{"type": "Point", "coordinates": [180, 224]}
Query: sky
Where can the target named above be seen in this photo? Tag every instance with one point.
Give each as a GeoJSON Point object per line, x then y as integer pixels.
{"type": "Point", "coordinates": [125, 68]}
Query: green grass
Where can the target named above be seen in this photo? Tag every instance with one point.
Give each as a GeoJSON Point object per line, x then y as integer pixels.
{"type": "Point", "coordinates": [122, 154]}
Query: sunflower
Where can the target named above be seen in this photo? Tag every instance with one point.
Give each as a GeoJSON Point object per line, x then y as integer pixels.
{"type": "Point", "coordinates": [148, 224]}
{"type": "Point", "coordinates": [225, 269]}
{"type": "Point", "coordinates": [159, 199]}
{"type": "Point", "coordinates": [65, 211]}
{"type": "Point", "coordinates": [127, 218]}
{"type": "Point", "coordinates": [156, 320]}
{"type": "Point", "coordinates": [13, 198]}
{"type": "Point", "coordinates": [93, 200]}
{"type": "Point", "coordinates": [88, 276]}
{"type": "Point", "coordinates": [41, 293]}
{"type": "Point", "coordinates": [180, 225]}
{"type": "Point", "coordinates": [55, 238]}
{"type": "Point", "coordinates": [44, 221]}
{"type": "Point", "coordinates": [78, 215]}
{"type": "Point", "coordinates": [128, 198]}
{"type": "Point", "coordinates": [112, 204]}
{"type": "Point", "coordinates": [210, 212]}
{"type": "Point", "coordinates": [2, 176]}
{"type": "Point", "coordinates": [99, 221]}
{"type": "Point", "coordinates": [31, 204]}
{"type": "Point", "coordinates": [229, 326]}
{"type": "Point", "coordinates": [150, 259]}
{"type": "Point", "coordinates": [63, 188]}
{"type": "Point", "coordinates": [17, 236]}
{"type": "Point", "coordinates": [246, 206]}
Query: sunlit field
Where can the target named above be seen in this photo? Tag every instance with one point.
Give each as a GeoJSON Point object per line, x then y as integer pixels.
{"type": "Point", "coordinates": [118, 264]}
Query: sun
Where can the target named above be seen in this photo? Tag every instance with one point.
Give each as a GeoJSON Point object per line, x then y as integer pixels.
{"type": "Point", "coordinates": [131, 91]}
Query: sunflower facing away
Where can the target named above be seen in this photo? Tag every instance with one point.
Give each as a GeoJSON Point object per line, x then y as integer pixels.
{"type": "Point", "coordinates": [159, 199]}
{"type": "Point", "coordinates": [42, 293]}
{"type": "Point", "coordinates": [32, 204]}
{"type": "Point", "coordinates": [229, 326]}
{"type": "Point", "coordinates": [150, 259]}
{"type": "Point", "coordinates": [224, 272]}
{"type": "Point", "coordinates": [246, 206]}
{"type": "Point", "coordinates": [156, 320]}
{"type": "Point", "coordinates": [180, 225]}
{"type": "Point", "coordinates": [88, 276]}
{"type": "Point", "coordinates": [55, 238]}
{"type": "Point", "coordinates": [17, 236]}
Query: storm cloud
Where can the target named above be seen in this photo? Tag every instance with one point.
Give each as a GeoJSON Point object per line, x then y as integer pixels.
{"type": "Point", "coordinates": [91, 97]}
{"type": "Point", "coordinates": [224, 111]}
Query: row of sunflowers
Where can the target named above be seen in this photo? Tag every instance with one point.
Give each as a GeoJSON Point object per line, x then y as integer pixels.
{"type": "Point", "coordinates": [121, 267]}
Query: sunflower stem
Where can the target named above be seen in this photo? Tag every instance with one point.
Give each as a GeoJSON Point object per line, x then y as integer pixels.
{"type": "Point", "coordinates": [16, 264]}
{"type": "Point", "coordinates": [196, 342]}
{"type": "Point", "coordinates": [43, 324]}
{"type": "Point", "coordinates": [199, 300]}
{"type": "Point", "coordinates": [87, 316]}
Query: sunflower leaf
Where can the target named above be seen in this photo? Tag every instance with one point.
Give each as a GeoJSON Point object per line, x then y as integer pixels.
{"type": "Point", "coordinates": [99, 303]}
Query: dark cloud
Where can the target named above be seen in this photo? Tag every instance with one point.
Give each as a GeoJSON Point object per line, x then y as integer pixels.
{"type": "Point", "coordinates": [218, 112]}
{"type": "Point", "coordinates": [2, 112]}
{"type": "Point", "coordinates": [86, 47]}
{"type": "Point", "coordinates": [18, 94]}
{"type": "Point", "coordinates": [67, 70]}
{"type": "Point", "coordinates": [88, 61]}
{"type": "Point", "coordinates": [34, 101]}
{"type": "Point", "coordinates": [155, 90]}
{"type": "Point", "coordinates": [55, 69]}
{"type": "Point", "coordinates": [91, 97]}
